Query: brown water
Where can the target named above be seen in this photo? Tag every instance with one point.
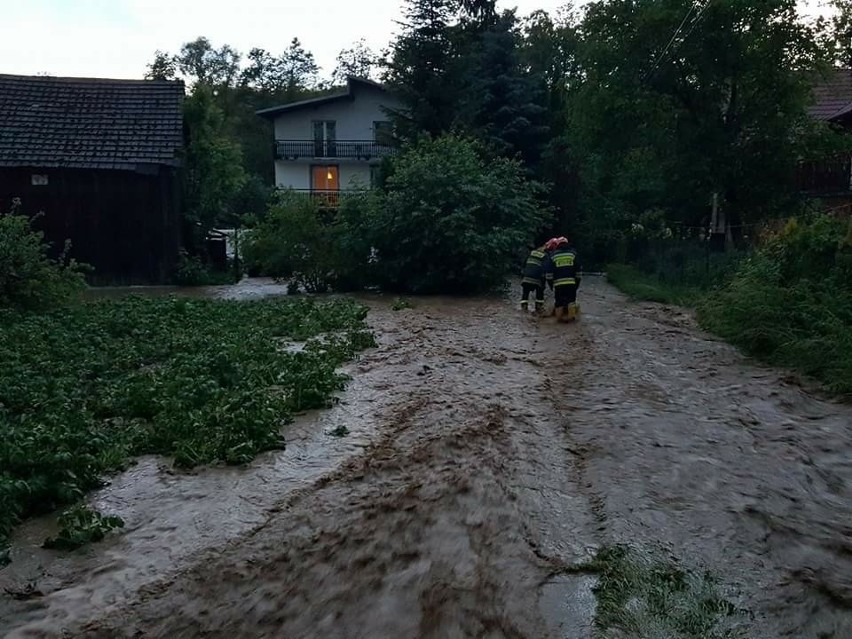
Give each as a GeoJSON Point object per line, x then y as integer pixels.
{"type": "Point", "coordinates": [487, 453]}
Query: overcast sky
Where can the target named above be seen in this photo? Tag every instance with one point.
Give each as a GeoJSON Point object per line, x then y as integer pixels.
{"type": "Point", "coordinates": [117, 38]}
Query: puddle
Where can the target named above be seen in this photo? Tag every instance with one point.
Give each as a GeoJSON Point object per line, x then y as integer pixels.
{"type": "Point", "coordinates": [567, 603]}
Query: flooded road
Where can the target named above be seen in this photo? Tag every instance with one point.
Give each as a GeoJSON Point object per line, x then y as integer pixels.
{"type": "Point", "coordinates": [488, 454]}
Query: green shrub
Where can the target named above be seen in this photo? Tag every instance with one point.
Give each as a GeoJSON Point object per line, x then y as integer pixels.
{"type": "Point", "coordinates": [29, 278]}
{"type": "Point", "coordinates": [451, 220]}
{"type": "Point", "coordinates": [192, 271]}
{"type": "Point", "coordinates": [791, 302]}
{"type": "Point", "coordinates": [294, 240]}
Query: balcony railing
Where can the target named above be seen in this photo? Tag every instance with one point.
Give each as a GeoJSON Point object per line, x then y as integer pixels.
{"type": "Point", "coordinates": [332, 150]}
{"type": "Point", "coordinates": [324, 197]}
{"type": "Point", "coordinates": [830, 176]}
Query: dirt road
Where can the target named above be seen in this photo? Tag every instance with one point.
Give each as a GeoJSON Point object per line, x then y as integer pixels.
{"type": "Point", "coordinates": [489, 454]}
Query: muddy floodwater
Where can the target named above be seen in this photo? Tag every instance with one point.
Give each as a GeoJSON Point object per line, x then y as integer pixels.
{"type": "Point", "coordinates": [488, 454]}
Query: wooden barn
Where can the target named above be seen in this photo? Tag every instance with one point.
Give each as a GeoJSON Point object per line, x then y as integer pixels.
{"type": "Point", "coordinates": [98, 160]}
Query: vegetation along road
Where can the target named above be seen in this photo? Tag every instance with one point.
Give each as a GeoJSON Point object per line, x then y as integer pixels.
{"type": "Point", "coordinates": [502, 477]}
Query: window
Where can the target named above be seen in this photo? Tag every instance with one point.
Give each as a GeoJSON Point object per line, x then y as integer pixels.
{"type": "Point", "coordinates": [382, 132]}
{"type": "Point", "coordinates": [325, 138]}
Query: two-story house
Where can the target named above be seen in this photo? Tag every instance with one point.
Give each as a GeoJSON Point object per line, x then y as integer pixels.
{"type": "Point", "coordinates": [332, 144]}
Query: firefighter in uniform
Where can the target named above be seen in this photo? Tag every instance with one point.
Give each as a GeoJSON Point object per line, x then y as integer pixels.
{"type": "Point", "coordinates": [562, 274]}
{"type": "Point", "coordinates": [533, 279]}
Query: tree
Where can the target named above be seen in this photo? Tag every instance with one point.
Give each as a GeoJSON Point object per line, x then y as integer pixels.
{"type": "Point", "coordinates": [163, 67]}
{"type": "Point", "coordinates": [202, 64]}
{"type": "Point", "coordinates": [214, 174]}
{"type": "Point", "coordinates": [421, 70]}
{"type": "Point", "coordinates": [503, 102]}
{"type": "Point", "coordinates": [681, 101]}
{"type": "Point", "coordinates": [451, 219]}
{"type": "Point", "coordinates": [294, 71]}
{"type": "Point", "coordinates": [358, 61]}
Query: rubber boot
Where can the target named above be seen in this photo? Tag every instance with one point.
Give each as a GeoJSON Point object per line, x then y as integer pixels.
{"type": "Point", "coordinates": [539, 308]}
{"type": "Point", "coordinates": [525, 305]}
{"type": "Point", "coordinates": [560, 313]}
{"type": "Point", "coordinates": [571, 315]}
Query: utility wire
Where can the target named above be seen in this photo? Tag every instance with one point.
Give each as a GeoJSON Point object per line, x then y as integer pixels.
{"type": "Point", "coordinates": [671, 41]}
{"type": "Point", "coordinates": [692, 26]}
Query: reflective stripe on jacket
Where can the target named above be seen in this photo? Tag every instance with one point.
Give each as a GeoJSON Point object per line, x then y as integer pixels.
{"type": "Point", "coordinates": [563, 267]}
{"type": "Point", "coordinates": [537, 264]}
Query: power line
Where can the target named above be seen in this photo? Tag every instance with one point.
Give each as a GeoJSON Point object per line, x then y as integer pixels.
{"type": "Point", "coordinates": [688, 33]}
{"type": "Point", "coordinates": [671, 41]}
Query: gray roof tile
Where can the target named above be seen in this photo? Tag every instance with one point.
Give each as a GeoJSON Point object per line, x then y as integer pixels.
{"type": "Point", "coordinates": [89, 123]}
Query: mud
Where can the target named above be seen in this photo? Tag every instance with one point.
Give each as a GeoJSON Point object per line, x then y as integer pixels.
{"type": "Point", "coordinates": [489, 453]}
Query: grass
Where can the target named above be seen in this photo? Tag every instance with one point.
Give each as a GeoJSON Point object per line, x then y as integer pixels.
{"type": "Point", "coordinates": [401, 304]}
{"type": "Point", "coordinates": [86, 389]}
{"type": "Point", "coordinates": [647, 596]}
{"type": "Point", "coordinates": [642, 286]}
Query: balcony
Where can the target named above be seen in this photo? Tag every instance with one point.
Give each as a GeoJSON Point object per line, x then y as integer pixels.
{"type": "Point", "coordinates": [832, 176]}
{"type": "Point", "coordinates": [362, 150]}
{"type": "Point", "coordinates": [325, 198]}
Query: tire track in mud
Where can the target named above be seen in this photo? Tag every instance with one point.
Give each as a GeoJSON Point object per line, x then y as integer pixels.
{"type": "Point", "coordinates": [449, 524]}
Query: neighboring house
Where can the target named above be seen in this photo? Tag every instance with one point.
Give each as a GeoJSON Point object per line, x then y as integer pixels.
{"type": "Point", "coordinates": [98, 159]}
{"type": "Point", "coordinates": [332, 144]}
{"type": "Point", "coordinates": [831, 179]}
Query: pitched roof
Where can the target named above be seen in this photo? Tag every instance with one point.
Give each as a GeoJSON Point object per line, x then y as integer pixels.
{"type": "Point", "coordinates": [348, 94]}
{"type": "Point", "coordinates": [832, 96]}
{"type": "Point", "coordinates": [89, 123]}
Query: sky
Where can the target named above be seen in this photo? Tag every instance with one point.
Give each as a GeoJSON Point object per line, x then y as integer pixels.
{"type": "Point", "coordinates": [117, 38]}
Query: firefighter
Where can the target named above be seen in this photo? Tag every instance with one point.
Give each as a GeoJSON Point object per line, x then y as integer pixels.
{"type": "Point", "coordinates": [562, 274]}
{"type": "Point", "coordinates": [533, 279]}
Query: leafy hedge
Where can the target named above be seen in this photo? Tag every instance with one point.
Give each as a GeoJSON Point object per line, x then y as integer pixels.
{"type": "Point", "coordinates": [85, 389]}
{"type": "Point", "coordinates": [791, 302]}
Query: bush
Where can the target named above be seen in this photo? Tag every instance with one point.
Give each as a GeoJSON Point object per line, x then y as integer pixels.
{"type": "Point", "coordinates": [29, 278]}
{"type": "Point", "coordinates": [451, 221]}
{"type": "Point", "coordinates": [791, 302]}
{"type": "Point", "coordinates": [192, 271]}
{"type": "Point", "coordinates": [294, 241]}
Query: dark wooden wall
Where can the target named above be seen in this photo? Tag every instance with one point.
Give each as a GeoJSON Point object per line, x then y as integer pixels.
{"type": "Point", "coordinates": [126, 224]}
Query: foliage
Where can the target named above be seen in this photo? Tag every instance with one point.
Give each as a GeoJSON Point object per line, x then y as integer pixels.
{"type": "Point", "coordinates": [647, 596]}
{"type": "Point", "coordinates": [401, 304]}
{"type": "Point", "coordinates": [29, 278]}
{"type": "Point", "coordinates": [339, 431]}
{"type": "Point", "coordinates": [421, 70]}
{"type": "Point", "coordinates": [358, 61]}
{"type": "Point", "coordinates": [163, 67]}
{"type": "Point", "coordinates": [294, 71]}
{"type": "Point", "coordinates": [791, 302]}
{"type": "Point", "coordinates": [203, 65]}
{"type": "Point", "coordinates": [213, 169]}
{"type": "Point", "coordinates": [691, 121]}
{"type": "Point", "coordinates": [79, 526]}
{"type": "Point", "coordinates": [450, 221]}
{"type": "Point", "coordinates": [191, 271]}
{"type": "Point", "coordinates": [293, 241]}
{"type": "Point", "coordinates": [85, 389]}
{"type": "Point", "coordinates": [641, 286]}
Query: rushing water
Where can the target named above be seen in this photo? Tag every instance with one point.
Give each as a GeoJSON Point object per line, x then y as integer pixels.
{"type": "Point", "coordinates": [488, 453]}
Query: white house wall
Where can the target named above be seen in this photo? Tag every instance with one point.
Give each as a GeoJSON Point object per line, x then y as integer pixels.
{"type": "Point", "coordinates": [354, 117]}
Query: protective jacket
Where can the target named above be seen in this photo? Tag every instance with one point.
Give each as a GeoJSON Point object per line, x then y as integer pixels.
{"type": "Point", "coordinates": [563, 267]}
{"type": "Point", "coordinates": [536, 267]}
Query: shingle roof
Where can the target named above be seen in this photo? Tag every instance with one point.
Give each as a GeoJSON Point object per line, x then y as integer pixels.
{"type": "Point", "coordinates": [89, 123]}
{"type": "Point", "coordinates": [833, 96]}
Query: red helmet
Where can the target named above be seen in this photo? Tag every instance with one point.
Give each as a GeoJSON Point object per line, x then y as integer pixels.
{"type": "Point", "coordinates": [555, 243]}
